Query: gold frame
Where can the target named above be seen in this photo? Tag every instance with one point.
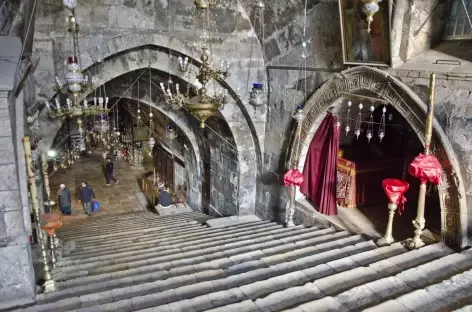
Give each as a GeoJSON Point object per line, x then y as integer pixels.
{"type": "Point", "coordinates": [343, 39]}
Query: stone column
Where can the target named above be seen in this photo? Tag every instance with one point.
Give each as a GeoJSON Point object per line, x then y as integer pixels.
{"type": "Point", "coordinates": [398, 13]}
{"type": "Point", "coordinates": [16, 269]}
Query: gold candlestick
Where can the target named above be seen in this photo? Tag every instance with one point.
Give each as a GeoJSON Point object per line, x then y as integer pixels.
{"type": "Point", "coordinates": [49, 284]}
{"type": "Point", "coordinates": [419, 222]}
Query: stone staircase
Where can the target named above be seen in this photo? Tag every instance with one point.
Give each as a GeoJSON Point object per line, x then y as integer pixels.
{"type": "Point", "coordinates": [145, 262]}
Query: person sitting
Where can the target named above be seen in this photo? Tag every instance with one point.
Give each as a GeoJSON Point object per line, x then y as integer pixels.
{"type": "Point", "coordinates": [165, 199]}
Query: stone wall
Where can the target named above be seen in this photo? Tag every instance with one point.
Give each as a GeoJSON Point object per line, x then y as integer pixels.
{"type": "Point", "coordinates": [180, 178]}
{"type": "Point", "coordinates": [224, 171]}
{"type": "Point", "coordinates": [16, 270]}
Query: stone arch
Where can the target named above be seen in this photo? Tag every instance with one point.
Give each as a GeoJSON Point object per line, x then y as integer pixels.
{"type": "Point", "coordinates": [235, 113]}
{"type": "Point", "coordinates": [413, 109]}
{"type": "Point", "coordinates": [195, 197]}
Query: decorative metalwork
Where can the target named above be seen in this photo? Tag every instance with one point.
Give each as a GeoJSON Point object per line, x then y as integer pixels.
{"type": "Point", "coordinates": [71, 110]}
{"type": "Point", "coordinates": [382, 124]}
{"type": "Point", "coordinates": [183, 64]}
{"type": "Point", "coordinates": [299, 116]}
{"type": "Point", "coordinates": [204, 105]}
{"type": "Point", "coordinates": [357, 132]}
{"type": "Point", "coordinates": [419, 222]}
{"type": "Point", "coordinates": [369, 8]}
{"type": "Point", "coordinates": [49, 284]}
{"type": "Point", "coordinates": [347, 128]}
{"type": "Point", "coordinates": [370, 124]}
{"type": "Point", "coordinates": [175, 99]}
{"type": "Point", "coordinates": [171, 134]}
{"type": "Point", "coordinates": [256, 97]}
{"type": "Point", "coordinates": [388, 239]}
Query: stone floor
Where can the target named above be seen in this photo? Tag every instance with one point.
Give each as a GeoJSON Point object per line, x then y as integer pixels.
{"type": "Point", "coordinates": [114, 199]}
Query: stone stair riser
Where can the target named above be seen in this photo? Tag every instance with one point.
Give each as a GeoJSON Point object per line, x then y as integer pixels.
{"type": "Point", "coordinates": [165, 239]}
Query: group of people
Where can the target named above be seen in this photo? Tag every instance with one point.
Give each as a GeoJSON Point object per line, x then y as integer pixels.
{"type": "Point", "coordinates": [86, 194]}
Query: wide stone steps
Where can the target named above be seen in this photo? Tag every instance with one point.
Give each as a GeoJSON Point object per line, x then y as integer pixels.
{"type": "Point", "coordinates": [174, 263]}
{"type": "Point", "coordinates": [122, 228]}
{"type": "Point", "coordinates": [167, 237]}
{"type": "Point", "coordinates": [328, 277]}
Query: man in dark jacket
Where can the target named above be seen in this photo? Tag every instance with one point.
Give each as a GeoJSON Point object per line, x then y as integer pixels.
{"type": "Point", "coordinates": [109, 172]}
{"type": "Point", "coordinates": [86, 195]}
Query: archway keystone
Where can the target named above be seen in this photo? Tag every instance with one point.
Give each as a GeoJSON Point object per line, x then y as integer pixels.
{"type": "Point", "coordinates": [413, 109]}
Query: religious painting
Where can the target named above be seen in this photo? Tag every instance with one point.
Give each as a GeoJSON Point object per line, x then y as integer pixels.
{"type": "Point", "coordinates": [365, 43]}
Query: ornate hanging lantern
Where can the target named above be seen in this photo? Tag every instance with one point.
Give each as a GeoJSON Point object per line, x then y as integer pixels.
{"type": "Point", "coordinates": [369, 8]}
{"type": "Point", "coordinates": [171, 134]}
{"type": "Point", "coordinates": [256, 97]}
{"type": "Point", "coordinates": [204, 105]}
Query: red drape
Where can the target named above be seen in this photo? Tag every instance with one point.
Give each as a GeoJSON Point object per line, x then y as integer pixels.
{"type": "Point", "coordinates": [319, 173]}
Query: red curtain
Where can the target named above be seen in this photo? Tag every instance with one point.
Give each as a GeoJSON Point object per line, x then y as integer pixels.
{"type": "Point", "coordinates": [319, 173]}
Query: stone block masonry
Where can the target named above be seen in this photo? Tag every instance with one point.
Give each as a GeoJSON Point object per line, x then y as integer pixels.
{"type": "Point", "coordinates": [17, 280]}
{"type": "Point", "coordinates": [16, 269]}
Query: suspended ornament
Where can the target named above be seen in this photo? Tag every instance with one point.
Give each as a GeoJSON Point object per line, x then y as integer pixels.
{"type": "Point", "coordinates": [171, 134]}
{"type": "Point", "coordinates": [369, 8]}
{"type": "Point", "coordinates": [70, 4]}
{"type": "Point", "coordinates": [390, 117]}
{"type": "Point", "coordinates": [348, 118]}
{"type": "Point", "coordinates": [256, 97]}
{"type": "Point", "coordinates": [357, 132]}
{"type": "Point", "coordinates": [370, 124]}
{"type": "Point", "coordinates": [183, 64]}
{"type": "Point", "coordinates": [382, 124]}
{"type": "Point", "coordinates": [299, 114]}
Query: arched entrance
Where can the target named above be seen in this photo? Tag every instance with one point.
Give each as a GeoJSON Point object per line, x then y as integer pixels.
{"type": "Point", "coordinates": [235, 114]}
{"type": "Point", "coordinates": [410, 106]}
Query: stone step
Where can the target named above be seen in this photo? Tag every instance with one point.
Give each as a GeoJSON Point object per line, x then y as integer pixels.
{"type": "Point", "coordinates": [213, 252]}
{"type": "Point", "coordinates": [155, 234]}
{"type": "Point", "coordinates": [447, 295]}
{"type": "Point", "coordinates": [106, 223]}
{"type": "Point", "coordinates": [260, 286]}
{"type": "Point", "coordinates": [184, 242]}
{"type": "Point", "coordinates": [125, 229]}
{"type": "Point", "coordinates": [127, 232]}
{"type": "Point", "coordinates": [188, 280]}
{"type": "Point", "coordinates": [97, 222]}
{"type": "Point", "coordinates": [166, 238]}
{"type": "Point", "coordinates": [351, 270]}
{"type": "Point", "coordinates": [159, 252]}
{"type": "Point", "coordinates": [467, 308]}
{"type": "Point", "coordinates": [117, 227]}
{"type": "Point", "coordinates": [237, 255]}
{"type": "Point", "coordinates": [174, 292]}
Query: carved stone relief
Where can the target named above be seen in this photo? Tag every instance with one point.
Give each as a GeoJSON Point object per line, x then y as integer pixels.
{"type": "Point", "coordinates": [360, 79]}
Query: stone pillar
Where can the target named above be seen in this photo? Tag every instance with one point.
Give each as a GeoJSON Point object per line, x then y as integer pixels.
{"type": "Point", "coordinates": [17, 282]}
{"type": "Point", "coordinates": [16, 268]}
{"type": "Point", "coordinates": [398, 13]}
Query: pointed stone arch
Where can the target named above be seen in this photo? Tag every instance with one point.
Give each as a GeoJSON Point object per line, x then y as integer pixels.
{"type": "Point", "coordinates": [243, 128]}
{"type": "Point", "coordinates": [454, 221]}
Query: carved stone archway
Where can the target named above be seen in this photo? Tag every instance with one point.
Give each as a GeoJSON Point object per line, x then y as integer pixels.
{"type": "Point", "coordinates": [241, 126]}
{"type": "Point", "coordinates": [360, 79]}
{"type": "Point", "coordinates": [195, 166]}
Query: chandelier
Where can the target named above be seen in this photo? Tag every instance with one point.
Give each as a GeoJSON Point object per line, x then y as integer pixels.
{"type": "Point", "coordinates": [76, 83]}
{"type": "Point", "coordinates": [204, 105]}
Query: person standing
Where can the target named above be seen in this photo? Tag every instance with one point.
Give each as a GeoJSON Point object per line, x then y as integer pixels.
{"type": "Point", "coordinates": [64, 199]}
{"type": "Point", "coordinates": [109, 172]}
{"type": "Point", "coordinates": [86, 195]}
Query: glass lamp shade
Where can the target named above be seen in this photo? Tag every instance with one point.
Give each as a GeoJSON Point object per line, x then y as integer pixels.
{"type": "Point", "coordinates": [70, 4]}
{"type": "Point", "coordinates": [256, 97]}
